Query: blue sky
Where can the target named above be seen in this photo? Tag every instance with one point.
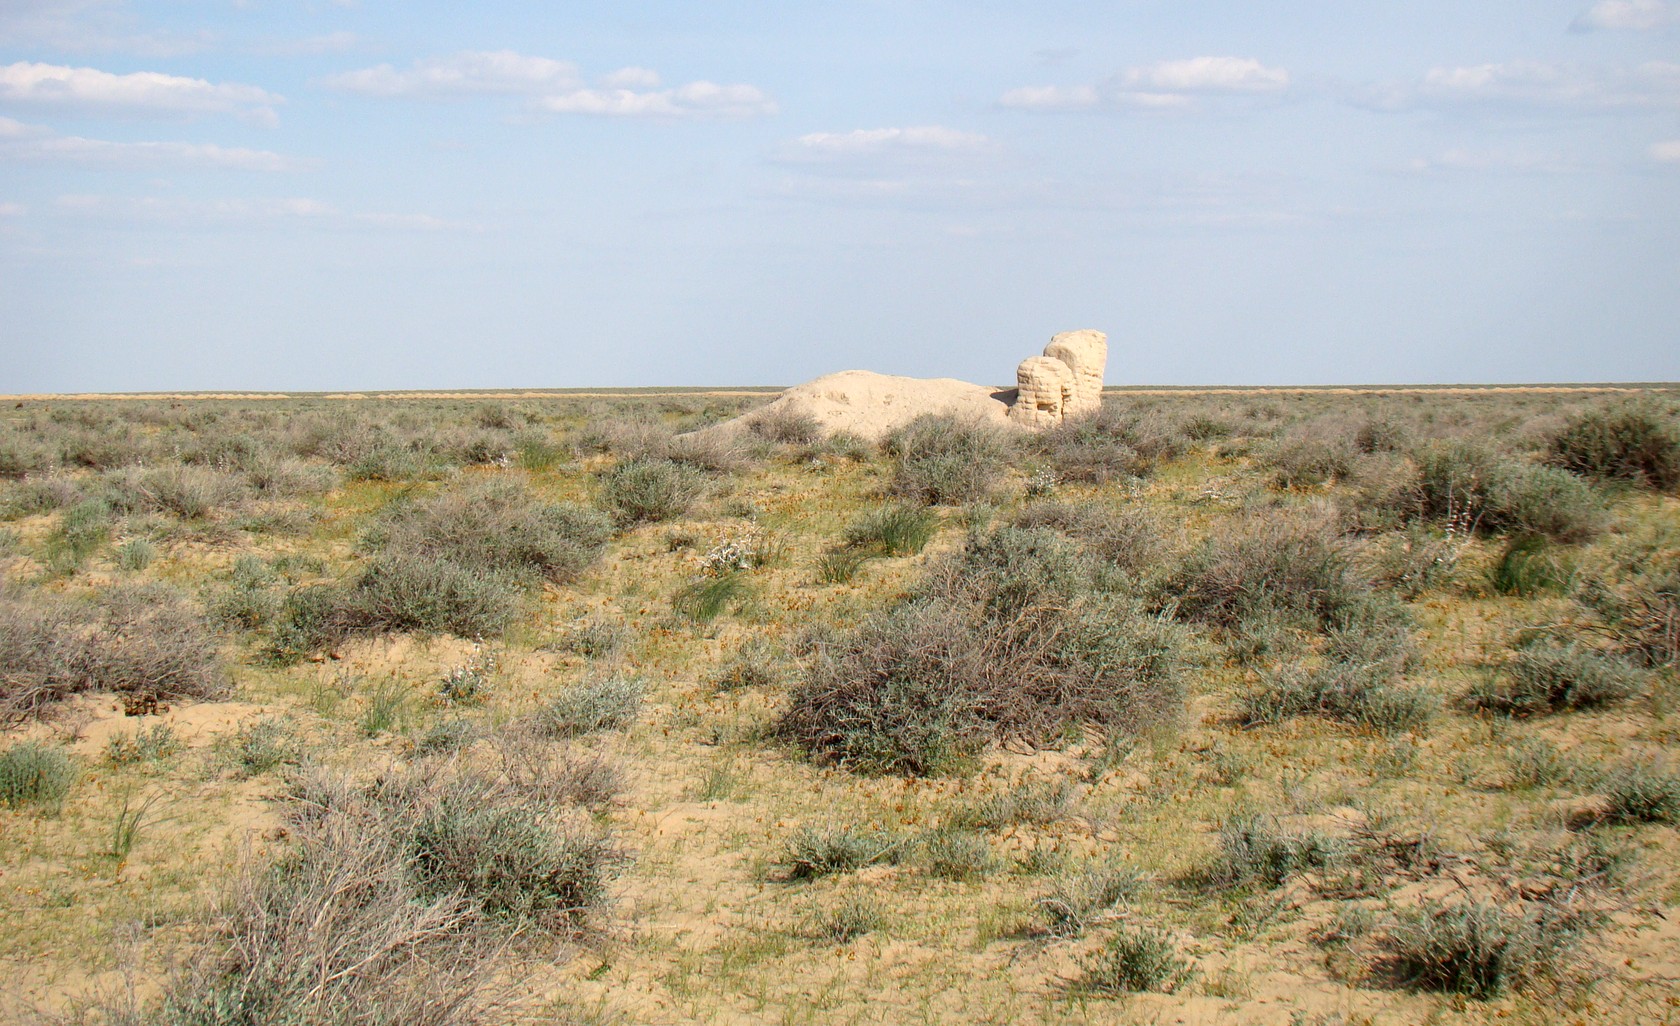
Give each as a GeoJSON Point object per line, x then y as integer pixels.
{"type": "Point", "coordinates": [351, 194]}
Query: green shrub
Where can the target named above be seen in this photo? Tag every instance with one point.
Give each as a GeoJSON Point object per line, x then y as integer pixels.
{"type": "Point", "coordinates": [34, 774]}
{"type": "Point", "coordinates": [188, 492]}
{"type": "Point", "coordinates": [839, 566]}
{"type": "Point", "coordinates": [894, 530]}
{"type": "Point", "coordinates": [1255, 850]}
{"type": "Point", "coordinates": [1089, 450]}
{"type": "Point", "coordinates": [472, 680]}
{"type": "Point", "coordinates": [1535, 762]}
{"type": "Point", "coordinates": [136, 554]}
{"type": "Point", "coordinates": [1364, 694]}
{"type": "Point", "coordinates": [149, 744]}
{"type": "Point", "coordinates": [1302, 462]}
{"type": "Point", "coordinates": [511, 860]}
{"type": "Point", "coordinates": [262, 745]}
{"type": "Point", "coordinates": [1481, 949]}
{"type": "Point", "coordinates": [1628, 442]}
{"type": "Point", "coordinates": [249, 600]}
{"type": "Point", "coordinates": [1038, 802]}
{"type": "Point", "coordinates": [608, 703]}
{"type": "Point", "coordinates": [939, 459]}
{"type": "Point", "coordinates": [402, 591]}
{"type": "Point", "coordinates": [857, 914]}
{"type": "Point", "coordinates": [499, 527]}
{"type": "Point", "coordinates": [1267, 566]}
{"type": "Point", "coordinates": [784, 425]}
{"type": "Point", "coordinates": [647, 490]}
{"type": "Point", "coordinates": [1135, 959]}
{"type": "Point", "coordinates": [81, 530]}
{"type": "Point", "coordinates": [314, 617]}
{"type": "Point", "coordinates": [957, 855]}
{"type": "Point", "coordinates": [1642, 611]}
{"type": "Point", "coordinates": [1473, 487]}
{"type": "Point", "coordinates": [1529, 567]}
{"type": "Point", "coordinates": [1128, 539]}
{"type": "Point", "coordinates": [1007, 639]}
{"type": "Point", "coordinates": [709, 597]}
{"type": "Point", "coordinates": [813, 853]}
{"type": "Point", "coordinates": [1546, 679]}
{"type": "Point", "coordinates": [1641, 793]}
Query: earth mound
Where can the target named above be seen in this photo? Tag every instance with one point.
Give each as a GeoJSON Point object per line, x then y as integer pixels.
{"type": "Point", "coordinates": [872, 406]}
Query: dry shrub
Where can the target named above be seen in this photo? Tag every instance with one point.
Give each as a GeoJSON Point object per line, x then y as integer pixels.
{"type": "Point", "coordinates": [1473, 486]}
{"type": "Point", "coordinates": [1129, 538]}
{"type": "Point", "coordinates": [143, 643]}
{"type": "Point", "coordinates": [1091, 450]}
{"type": "Point", "coordinates": [1627, 442]}
{"type": "Point", "coordinates": [1007, 640]}
{"type": "Point", "coordinates": [500, 526]}
{"type": "Point", "coordinates": [943, 460]}
{"type": "Point", "coordinates": [1543, 679]}
{"type": "Point", "coordinates": [1482, 949]}
{"type": "Point", "coordinates": [645, 490]}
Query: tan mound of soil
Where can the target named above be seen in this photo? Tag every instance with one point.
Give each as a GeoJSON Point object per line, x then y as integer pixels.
{"type": "Point", "coordinates": [872, 406]}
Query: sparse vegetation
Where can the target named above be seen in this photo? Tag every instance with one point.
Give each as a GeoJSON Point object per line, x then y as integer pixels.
{"type": "Point", "coordinates": [397, 710]}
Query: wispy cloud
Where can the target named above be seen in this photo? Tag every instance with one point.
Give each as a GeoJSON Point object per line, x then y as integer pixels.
{"type": "Point", "coordinates": [34, 144]}
{"type": "Point", "coordinates": [874, 142]}
{"type": "Point", "coordinates": [1496, 161]}
{"type": "Point", "coordinates": [696, 99]}
{"type": "Point", "coordinates": [141, 93]}
{"type": "Point", "coordinates": [469, 73]}
{"type": "Point", "coordinates": [553, 86]}
{"type": "Point", "coordinates": [91, 26]}
{"type": "Point", "coordinates": [1635, 15]}
{"type": "Point", "coordinates": [311, 46]}
{"type": "Point", "coordinates": [12, 210]}
{"type": "Point", "coordinates": [1165, 85]}
{"type": "Point", "coordinates": [1666, 152]}
{"type": "Point", "coordinates": [1654, 85]}
{"type": "Point", "coordinates": [239, 212]}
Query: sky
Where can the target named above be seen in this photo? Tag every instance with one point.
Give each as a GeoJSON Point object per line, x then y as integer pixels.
{"type": "Point", "coordinates": [353, 194]}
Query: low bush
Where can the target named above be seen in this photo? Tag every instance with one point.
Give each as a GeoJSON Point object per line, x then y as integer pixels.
{"type": "Point", "coordinates": [512, 860]}
{"type": "Point", "coordinates": [1642, 609]}
{"type": "Point", "coordinates": [1007, 639]}
{"type": "Point", "coordinates": [894, 530]}
{"type": "Point", "coordinates": [1640, 793]}
{"type": "Point", "coordinates": [262, 745]}
{"type": "Point", "coordinates": [1529, 566]}
{"type": "Point", "coordinates": [957, 855]}
{"type": "Point", "coordinates": [34, 775]}
{"type": "Point", "coordinates": [939, 459]}
{"type": "Point", "coordinates": [1128, 539]}
{"type": "Point", "coordinates": [1543, 679]}
{"type": "Point", "coordinates": [1627, 442]}
{"type": "Point", "coordinates": [1256, 850]}
{"type": "Point", "coordinates": [1463, 483]}
{"type": "Point", "coordinates": [1366, 694]}
{"type": "Point", "coordinates": [187, 492]}
{"type": "Point", "coordinates": [784, 425]}
{"type": "Point", "coordinates": [839, 566]}
{"type": "Point", "coordinates": [1135, 959]}
{"type": "Point", "coordinates": [500, 527]}
{"type": "Point", "coordinates": [82, 530]}
{"type": "Point", "coordinates": [1089, 450]}
{"type": "Point", "coordinates": [249, 600]}
{"type": "Point", "coordinates": [1481, 949]}
{"type": "Point", "coordinates": [1305, 461]}
{"type": "Point", "coordinates": [607, 703]}
{"type": "Point", "coordinates": [708, 597]}
{"type": "Point", "coordinates": [1029, 801]}
{"type": "Point", "coordinates": [1535, 762]}
{"type": "Point", "coordinates": [1087, 899]}
{"type": "Point", "coordinates": [403, 591]}
{"type": "Point", "coordinates": [142, 643]}
{"type": "Point", "coordinates": [813, 853]}
{"type": "Point", "coordinates": [646, 490]}
{"type": "Point", "coordinates": [758, 662]}
{"type": "Point", "coordinates": [856, 915]}
{"type": "Point", "coordinates": [1268, 566]}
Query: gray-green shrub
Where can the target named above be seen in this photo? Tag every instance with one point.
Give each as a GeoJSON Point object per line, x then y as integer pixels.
{"type": "Point", "coordinates": [35, 775]}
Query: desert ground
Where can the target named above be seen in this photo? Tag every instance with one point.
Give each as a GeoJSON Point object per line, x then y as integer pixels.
{"type": "Point", "coordinates": [1235, 706]}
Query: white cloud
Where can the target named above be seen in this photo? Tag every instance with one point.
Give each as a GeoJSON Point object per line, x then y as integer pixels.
{"type": "Point", "coordinates": [1666, 152]}
{"type": "Point", "coordinates": [33, 144]}
{"type": "Point", "coordinates": [90, 26]}
{"type": "Point", "coordinates": [1051, 98]}
{"type": "Point", "coordinates": [90, 90]}
{"type": "Point", "coordinates": [1164, 85]}
{"type": "Point", "coordinates": [1654, 85]}
{"type": "Point", "coordinates": [555, 86]}
{"type": "Point", "coordinates": [867, 142]}
{"type": "Point", "coordinates": [1208, 75]}
{"type": "Point", "coordinates": [696, 99]}
{"type": "Point", "coordinates": [1637, 15]}
{"type": "Point", "coordinates": [470, 73]}
{"type": "Point", "coordinates": [12, 210]}
{"type": "Point", "coordinates": [243, 212]}
{"type": "Point", "coordinates": [631, 78]}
